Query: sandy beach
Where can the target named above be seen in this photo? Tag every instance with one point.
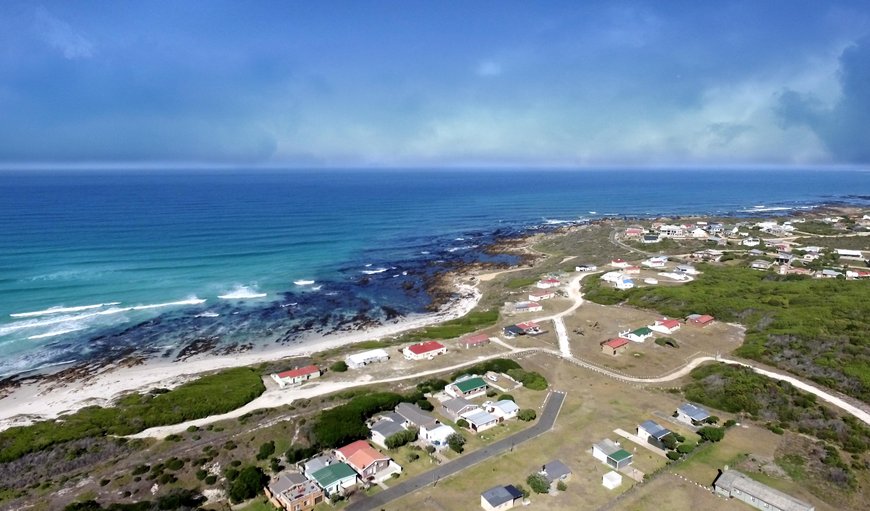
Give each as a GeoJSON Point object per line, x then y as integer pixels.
{"type": "Point", "coordinates": [48, 399]}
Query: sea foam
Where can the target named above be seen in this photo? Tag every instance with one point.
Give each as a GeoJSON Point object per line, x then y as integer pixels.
{"type": "Point", "coordinates": [60, 310]}
{"type": "Point", "coordinates": [375, 271]}
{"type": "Point", "coordinates": [242, 293]}
{"type": "Point", "coordinates": [303, 282]}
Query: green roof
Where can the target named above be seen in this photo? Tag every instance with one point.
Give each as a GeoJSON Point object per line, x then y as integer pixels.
{"type": "Point", "coordinates": [642, 331]}
{"type": "Point", "coordinates": [329, 474]}
{"type": "Point", "coordinates": [620, 455]}
{"type": "Point", "coordinates": [470, 384]}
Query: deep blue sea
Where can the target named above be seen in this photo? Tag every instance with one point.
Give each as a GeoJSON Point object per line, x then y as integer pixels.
{"type": "Point", "coordinates": [111, 263]}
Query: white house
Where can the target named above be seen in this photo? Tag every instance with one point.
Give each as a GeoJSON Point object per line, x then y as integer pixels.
{"type": "Point", "coordinates": [295, 376]}
{"type": "Point", "coordinates": [671, 231]}
{"type": "Point", "coordinates": [652, 433]}
{"type": "Point", "coordinates": [586, 267]}
{"type": "Point", "coordinates": [504, 409]}
{"type": "Point", "coordinates": [624, 283]}
{"type": "Point", "coordinates": [686, 269]}
{"type": "Point", "coordinates": [437, 437]}
{"type": "Point", "coordinates": [751, 242]}
{"type": "Point", "coordinates": [528, 307]}
{"type": "Point", "coordinates": [692, 414]}
{"type": "Point", "coordinates": [612, 276]}
{"type": "Point", "coordinates": [619, 263]}
{"type": "Point", "coordinates": [699, 233]}
{"type": "Point", "coordinates": [548, 283]}
{"type": "Point", "coordinates": [480, 420]}
{"type": "Point", "coordinates": [357, 360]}
{"type": "Point", "coordinates": [638, 335]}
{"type": "Point", "coordinates": [611, 453]}
{"type": "Point", "coordinates": [541, 294]}
{"type": "Point", "coordinates": [424, 350]}
{"type": "Point", "coordinates": [850, 254]}
{"type": "Point", "coordinates": [655, 262]}
{"type": "Point", "coordinates": [665, 326]}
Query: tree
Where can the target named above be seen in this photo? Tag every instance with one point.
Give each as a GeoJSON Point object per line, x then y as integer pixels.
{"type": "Point", "coordinates": [266, 450]}
{"type": "Point", "coordinates": [338, 367]}
{"type": "Point", "coordinates": [669, 441]}
{"type": "Point", "coordinates": [462, 423]}
{"type": "Point", "coordinates": [297, 453]}
{"type": "Point", "coordinates": [711, 434]}
{"type": "Point", "coordinates": [456, 442]}
{"type": "Point", "coordinates": [685, 448]}
{"type": "Point", "coordinates": [401, 438]}
{"type": "Point", "coordinates": [538, 483]}
{"type": "Point", "coordinates": [711, 420]}
{"type": "Point", "coordinates": [425, 405]}
{"type": "Point", "coordinates": [673, 455]}
{"type": "Point", "coordinates": [248, 484]}
{"type": "Point", "coordinates": [527, 414]}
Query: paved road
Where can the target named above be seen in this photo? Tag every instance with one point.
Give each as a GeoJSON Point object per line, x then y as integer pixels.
{"type": "Point", "coordinates": [544, 424]}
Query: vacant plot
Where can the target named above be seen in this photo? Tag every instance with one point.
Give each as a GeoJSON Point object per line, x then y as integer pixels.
{"type": "Point", "coordinates": [590, 245]}
{"type": "Point", "coordinates": [673, 493]}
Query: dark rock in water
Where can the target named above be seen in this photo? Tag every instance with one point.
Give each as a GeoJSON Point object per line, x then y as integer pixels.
{"type": "Point", "coordinates": [197, 346]}
{"type": "Point", "coordinates": [391, 313]}
{"type": "Point", "coordinates": [365, 281]}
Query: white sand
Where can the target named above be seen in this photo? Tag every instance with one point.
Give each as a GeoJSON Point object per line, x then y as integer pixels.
{"type": "Point", "coordinates": [40, 401]}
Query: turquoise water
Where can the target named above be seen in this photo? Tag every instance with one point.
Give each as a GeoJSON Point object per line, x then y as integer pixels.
{"type": "Point", "coordinates": [138, 261]}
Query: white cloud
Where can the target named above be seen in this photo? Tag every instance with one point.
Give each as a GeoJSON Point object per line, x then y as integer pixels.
{"type": "Point", "coordinates": [61, 36]}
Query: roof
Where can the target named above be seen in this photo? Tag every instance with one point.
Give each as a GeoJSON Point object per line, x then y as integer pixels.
{"type": "Point", "coordinates": [501, 494]}
{"type": "Point", "coordinates": [330, 474]}
{"type": "Point", "coordinates": [301, 371]}
{"type": "Point", "coordinates": [360, 454]}
{"type": "Point", "coordinates": [619, 455]}
{"type": "Point", "coordinates": [617, 261]}
{"type": "Point", "coordinates": [457, 404]}
{"type": "Point", "coordinates": [642, 331]}
{"type": "Point", "coordinates": [478, 417]}
{"type": "Point", "coordinates": [476, 339]}
{"type": "Point", "coordinates": [527, 325]}
{"type": "Point", "coordinates": [470, 384]}
{"type": "Point", "coordinates": [700, 318]}
{"type": "Point", "coordinates": [617, 342]}
{"type": "Point", "coordinates": [551, 281]}
{"type": "Point", "coordinates": [669, 323]}
{"type": "Point", "coordinates": [415, 415]}
{"type": "Point", "coordinates": [293, 485]}
{"type": "Point", "coordinates": [695, 412]}
{"type": "Point", "coordinates": [556, 470]}
{"type": "Point", "coordinates": [316, 463]}
{"type": "Point", "coordinates": [733, 480]}
{"type": "Point", "coordinates": [506, 406]}
{"type": "Point", "coordinates": [527, 305]}
{"type": "Point", "coordinates": [514, 329]}
{"type": "Point", "coordinates": [655, 430]}
{"type": "Point", "coordinates": [387, 428]}
{"type": "Point", "coordinates": [425, 347]}
{"type": "Point", "coordinates": [365, 356]}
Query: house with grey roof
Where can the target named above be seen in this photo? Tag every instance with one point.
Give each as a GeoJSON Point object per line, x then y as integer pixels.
{"type": "Point", "coordinates": [555, 471]}
{"type": "Point", "coordinates": [414, 416]}
{"type": "Point", "coordinates": [384, 429]}
{"type": "Point", "coordinates": [735, 485]}
{"type": "Point", "coordinates": [480, 420]}
{"type": "Point", "coordinates": [611, 453]}
{"type": "Point", "coordinates": [691, 414]}
{"type": "Point", "coordinates": [314, 464]}
{"type": "Point", "coordinates": [653, 433]}
{"type": "Point", "coordinates": [292, 491]}
{"type": "Point", "coordinates": [453, 408]}
{"type": "Point", "coordinates": [500, 497]}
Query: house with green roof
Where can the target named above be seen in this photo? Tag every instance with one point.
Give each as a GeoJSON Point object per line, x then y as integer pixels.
{"type": "Point", "coordinates": [467, 387]}
{"type": "Point", "coordinates": [335, 478]}
{"type": "Point", "coordinates": [611, 453]}
{"type": "Point", "coordinates": [639, 335]}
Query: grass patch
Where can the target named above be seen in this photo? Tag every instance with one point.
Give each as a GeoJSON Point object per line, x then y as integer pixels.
{"type": "Point", "coordinates": [471, 322]}
{"type": "Point", "coordinates": [520, 282]}
{"type": "Point", "coordinates": [209, 395]}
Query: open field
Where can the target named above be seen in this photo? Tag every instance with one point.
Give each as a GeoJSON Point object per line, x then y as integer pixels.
{"type": "Point", "coordinates": [589, 245]}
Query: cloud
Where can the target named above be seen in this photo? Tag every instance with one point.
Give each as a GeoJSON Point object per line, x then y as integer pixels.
{"type": "Point", "coordinates": [842, 126]}
{"type": "Point", "coordinates": [489, 68]}
{"type": "Point", "coordinates": [61, 36]}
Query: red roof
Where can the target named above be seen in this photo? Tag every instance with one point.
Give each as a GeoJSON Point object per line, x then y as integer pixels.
{"type": "Point", "coordinates": [541, 292]}
{"type": "Point", "coordinates": [669, 323]}
{"type": "Point", "coordinates": [527, 325]}
{"type": "Point", "coordinates": [552, 281]}
{"type": "Point", "coordinates": [706, 318]}
{"type": "Point", "coordinates": [618, 261]}
{"type": "Point", "coordinates": [476, 339]}
{"type": "Point", "coordinates": [301, 371]}
{"type": "Point", "coordinates": [618, 342]}
{"type": "Point", "coordinates": [360, 454]}
{"type": "Point", "coordinates": [425, 347]}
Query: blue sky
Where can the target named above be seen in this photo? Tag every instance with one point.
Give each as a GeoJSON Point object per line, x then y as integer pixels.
{"type": "Point", "coordinates": [449, 83]}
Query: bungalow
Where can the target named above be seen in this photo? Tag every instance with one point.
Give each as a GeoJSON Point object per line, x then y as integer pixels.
{"type": "Point", "coordinates": [624, 283]}
{"type": "Point", "coordinates": [649, 239]}
{"type": "Point", "coordinates": [733, 484]}
{"type": "Point", "coordinates": [619, 263]}
{"type": "Point", "coordinates": [639, 335]}
{"type": "Point", "coordinates": [530, 328]}
{"type": "Point", "coordinates": [609, 452]}
{"type": "Point", "coordinates": [699, 319]}
{"type": "Point", "coordinates": [295, 376]}
{"type": "Point", "coordinates": [686, 269]}
{"type": "Point", "coordinates": [613, 276]}
{"type": "Point", "coordinates": [384, 429]}
{"type": "Point", "coordinates": [414, 416]}
{"type": "Point", "coordinates": [468, 387]}
{"type": "Point", "coordinates": [665, 326]}
{"type": "Point", "coordinates": [292, 491]}
{"type": "Point", "coordinates": [715, 228]}
{"type": "Point", "coordinates": [784, 258]}
{"type": "Point", "coordinates": [366, 461]}
{"type": "Point", "coordinates": [760, 264]}
{"type": "Point", "coordinates": [312, 465]}
{"type": "Point", "coordinates": [453, 408]}
{"type": "Point", "coordinates": [756, 253]}
{"type": "Point", "coordinates": [586, 267]}
{"type": "Point", "coordinates": [335, 478]}
{"type": "Point", "coordinates": [691, 414]}
{"type": "Point", "coordinates": [672, 231]}
{"type": "Point", "coordinates": [437, 437]}
{"type": "Point", "coordinates": [850, 254]}
{"type": "Point", "coordinates": [632, 270]}
{"type": "Point", "coordinates": [500, 497]}
{"type": "Point", "coordinates": [656, 262]}
{"type": "Point", "coordinates": [480, 420]}
{"type": "Point", "coordinates": [555, 471]}
{"type": "Point", "coordinates": [541, 294]}
{"type": "Point", "coordinates": [698, 233]}
{"type": "Point", "coordinates": [857, 274]}
{"type": "Point", "coordinates": [528, 307]}
{"type": "Point", "coordinates": [652, 433]}
{"type": "Point", "coordinates": [614, 346]}
{"type": "Point", "coordinates": [512, 331]}
{"type": "Point", "coordinates": [358, 360]}
{"type": "Point", "coordinates": [503, 410]}
{"type": "Point", "coordinates": [708, 255]}
{"type": "Point", "coordinates": [475, 341]}
{"type": "Point", "coordinates": [751, 242]}
{"type": "Point", "coordinates": [548, 283]}
{"type": "Point", "coordinates": [829, 274]}
{"type": "Point", "coordinates": [633, 232]}
{"type": "Point", "coordinates": [424, 350]}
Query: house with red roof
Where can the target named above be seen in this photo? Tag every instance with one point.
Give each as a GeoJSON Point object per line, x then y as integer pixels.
{"type": "Point", "coordinates": [614, 346]}
{"type": "Point", "coordinates": [529, 327]}
{"type": "Point", "coordinates": [367, 461]}
{"type": "Point", "coordinates": [424, 351]}
{"type": "Point", "coordinates": [295, 376]}
{"type": "Point", "coordinates": [475, 341]}
{"type": "Point", "coordinates": [699, 319]}
{"type": "Point", "coordinates": [541, 294]}
{"type": "Point", "coordinates": [631, 270]}
{"type": "Point", "coordinates": [548, 283]}
{"type": "Point", "coordinates": [619, 263]}
{"type": "Point", "coordinates": [665, 326]}
{"type": "Point", "coordinates": [528, 307]}
{"type": "Point", "coordinates": [634, 232]}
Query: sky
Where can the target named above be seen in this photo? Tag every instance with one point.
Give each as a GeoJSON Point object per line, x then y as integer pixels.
{"type": "Point", "coordinates": [446, 83]}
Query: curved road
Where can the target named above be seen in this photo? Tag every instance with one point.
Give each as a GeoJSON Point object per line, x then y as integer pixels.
{"type": "Point", "coordinates": [545, 423]}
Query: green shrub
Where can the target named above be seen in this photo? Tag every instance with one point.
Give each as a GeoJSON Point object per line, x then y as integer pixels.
{"type": "Point", "coordinates": [338, 367]}
{"type": "Point", "coordinates": [711, 434]}
{"type": "Point", "coordinates": [174, 464]}
{"type": "Point", "coordinates": [527, 414]}
{"type": "Point", "coordinates": [401, 438]}
{"type": "Point", "coordinates": [667, 341]}
{"type": "Point", "coordinates": [561, 486]}
{"type": "Point", "coordinates": [266, 450]}
{"type": "Point", "coordinates": [507, 397]}
{"type": "Point", "coordinates": [538, 483]}
{"type": "Point", "coordinates": [201, 474]}
{"type": "Point", "coordinates": [346, 423]}
{"type": "Point", "coordinates": [685, 448]}
{"type": "Point", "coordinates": [462, 423]}
{"type": "Point", "coordinates": [496, 365]}
{"type": "Point", "coordinates": [673, 455]}
{"type": "Point", "coordinates": [211, 479]}
{"type": "Point", "coordinates": [425, 405]}
{"type": "Point", "coordinates": [248, 484]}
{"type": "Point", "coordinates": [456, 442]}
{"type": "Point", "coordinates": [530, 379]}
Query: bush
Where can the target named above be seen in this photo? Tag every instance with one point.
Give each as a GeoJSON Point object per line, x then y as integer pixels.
{"type": "Point", "coordinates": [401, 438]}
{"type": "Point", "coordinates": [669, 441]}
{"type": "Point", "coordinates": [711, 434]}
{"type": "Point", "coordinates": [496, 365]}
{"type": "Point", "coordinates": [346, 423]}
{"type": "Point", "coordinates": [530, 379]}
{"type": "Point", "coordinates": [507, 397]}
{"type": "Point", "coordinates": [413, 456]}
{"type": "Point", "coordinates": [338, 367]}
{"type": "Point", "coordinates": [491, 392]}
{"type": "Point", "coordinates": [211, 479]}
{"type": "Point", "coordinates": [673, 455]}
{"type": "Point", "coordinates": [248, 484]}
{"type": "Point", "coordinates": [266, 450]}
{"type": "Point", "coordinates": [527, 415]}
{"type": "Point", "coordinates": [174, 464]}
{"type": "Point", "coordinates": [430, 449]}
{"type": "Point", "coordinates": [456, 442]}
{"type": "Point", "coordinates": [296, 453]}
{"type": "Point", "coordinates": [231, 474]}
{"type": "Point", "coordinates": [685, 448]}
{"type": "Point", "coordinates": [522, 489]}
{"type": "Point", "coordinates": [730, 423]}
{"type": "Point", "coordinates": [667, 341]}
{"type": "Point", "coordinates": [538, 483]}
{"type": "Point", "coordinates": [561, 486]}
{"type": "Point", "coordinates": [141, 469]}
{"type": "Point", "coordinates": [462, 423]}
{"type": "Point", "coordinates": [425, 405]}
{"type": "Point", "coordinates": [433, 385]}
{"type": "Point", "coordinates": [201, 474]}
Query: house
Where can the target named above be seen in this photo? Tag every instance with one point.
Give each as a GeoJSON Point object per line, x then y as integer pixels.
{"type": "Point", "coordinates": [638, 335]}
{"type": "Point", "coordinates": [383, 429]}
{"type": "Point", "coordinates": [480, 420]}
{"type": "Point", "coordinates": [366, 461]}
{"type": "Point", "coordinates": [698, 233]}
{"type": "Point", "coordinates": [548, 283]}
{"type": "Point", "coordinates": [624, 283]}
{"type": "Point", "coordinates": [686, 269]}
{"type": "Point", "coordinates": [475, 341]}
{"type": "Point", "coordinates": [312, 465]}
{"type": "Point", "coordinates": [650, 239]}
{"type": "Point", "coordinates": [751, 242]}
{"type": "Point", "coordinates": [633, 232]}
{"type": "Point", "coordinates": [613, 276]}
{"type": "Point", "coordinates": [857, 274]}
{"type": "Point", "coordinates": [733, 484]}
{"type": "Point", "coordinates": [708, 255]}
{"type": "Point", "coordinates": [611, 480]}
{"type": "Point", "coordinates": [850, 254]}
{"type": "Point", "coordinates": [437, 436]}
{"type": "Point", "coordinates": [784, 258]}
{"type": "Point", "coordinates": [541, 294]}
{"type": "Point", "coordinates": [632, 270]}
{"type": "Point", "coordinates": [414, 416]}
{"type": "Point", "coordinates": [619, 263]}
{"type": "Point", "coordinates": [655, 262]}
{"type": "Point", "coordinates": [653, 433]}
{"type": "Point", "coordinates": [453, 408]}
{"type": "Point", "coordinates": [760, 264]}
{"type": "Point", "coordinates": [500, 497]}
{"type": "Point", "coordinates": [335, 478]}
{"type": "Point", "coordinates": [512, 331]}
{"type": "Point", "coordinates": [468, 387]}
{"type": "Point", "coordinates": [530, 328]}
{"type": "Point", "coordinates": [614, 346]}
{"type": "Point", "coordinates": [424, 350]}
{"type": "Point", "coordinates": [609, 452]}
{"type": "Point", "coordinates": [586, 267]}
{"type": "Point", "coordinates": [358, 360]}
{"type": "Point", "coordinates": [692, 415]}
{"type": "Point", "coordinates": [671, 231]}
{"type": "Point", "coordinates": [699, 319]}
{"type": "Point", "coordinates": [528, 307]}
{"type": "Point", "coordinates": [295, 376]}
{"type": "Point", "coordinates": [829, 274]}
{"type": "Point", "coordinates": [292, 491]}
{"type": "Point", "coordinates": [665, 326]}
{"type": "Point", "coordinates": [756, 253]}
{"type": "Point", "coordinates": [555, 471]}
{"type": "Point", "coordinates": [503, 410]}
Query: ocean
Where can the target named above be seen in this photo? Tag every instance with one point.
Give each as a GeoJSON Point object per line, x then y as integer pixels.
{"type": "Point", "coordinates": [117, 263]}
